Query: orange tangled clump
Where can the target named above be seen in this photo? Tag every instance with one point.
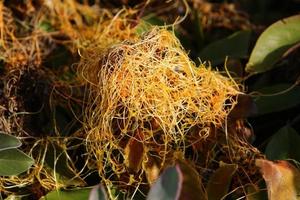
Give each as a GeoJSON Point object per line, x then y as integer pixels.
{"type": "Point", "coordinates": [49, 25]}
{"type": "Point", "coordinates": [145, 97]}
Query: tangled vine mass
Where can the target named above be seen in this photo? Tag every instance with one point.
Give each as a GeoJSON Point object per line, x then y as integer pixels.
{"type": "Point", "coordinates": [134, 101]}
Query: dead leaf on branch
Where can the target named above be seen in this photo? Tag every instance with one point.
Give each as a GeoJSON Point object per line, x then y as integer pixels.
{"type": "Point", "coordinates": [282, 179]}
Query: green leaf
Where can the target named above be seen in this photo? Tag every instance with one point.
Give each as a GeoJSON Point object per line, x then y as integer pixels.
{"type": "Point", "coordinates": [46, 26]}
{"type": "Point", "coordinates": [219, 182]}
{"type": "Point", "coordinates": [167, 187]}
{"type": "Point", "coordinates": [194, 39]}
{"type": "Point", "coordinates": [234, 46]}
{"type": "Point", "coordinates": [180, 182]}
{"type": "Point", "coordinates": [285, 98]}
{"type": "Point", "coordinates": [76, 194]}
{"type": "Point", "coordinates": [58, 160]}
{"type": "Point", "coordinates": [147, 22]}
{"type": "Point", "coordinates": [284, 144]}
{"type": "Point", "coordinates": [273, 43]}
{"type": "Point", "coordinates": [14, 162]}
{"type": "Point", "coordinates": [98, 193]}
{"type": "Point", "coordinates": [8, 142]}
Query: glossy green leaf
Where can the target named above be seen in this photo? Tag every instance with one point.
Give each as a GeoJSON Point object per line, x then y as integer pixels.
{"type": "Point", "coordinates": [14, 162]}
{"type": "Point", "coordinates": [273, 43]}
{"type": "Point", "coordinates": [98, 193]}
{"type": "Point", "coordinates": [167, 187]}
{"type": "Point", "coordinates": [76, 194]}
{"type": "Point", "coordinates": [234, 46]}
{"type": "Point", "coordinates": [272, 102]}
{"type": "Point", "coordinates": [8, 142]}
{"type": "Point", "coordinates": [284, 144]}
{"type": "Point", "coordinates": [218, 184]}
{"type": "Point", "coordinates": [180, 182]}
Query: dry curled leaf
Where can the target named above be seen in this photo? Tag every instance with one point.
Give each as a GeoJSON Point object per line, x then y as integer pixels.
{"type": "Point", "coordinates": [134, 152]}
{"type": "Point", "coordinates": [282, 179]}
